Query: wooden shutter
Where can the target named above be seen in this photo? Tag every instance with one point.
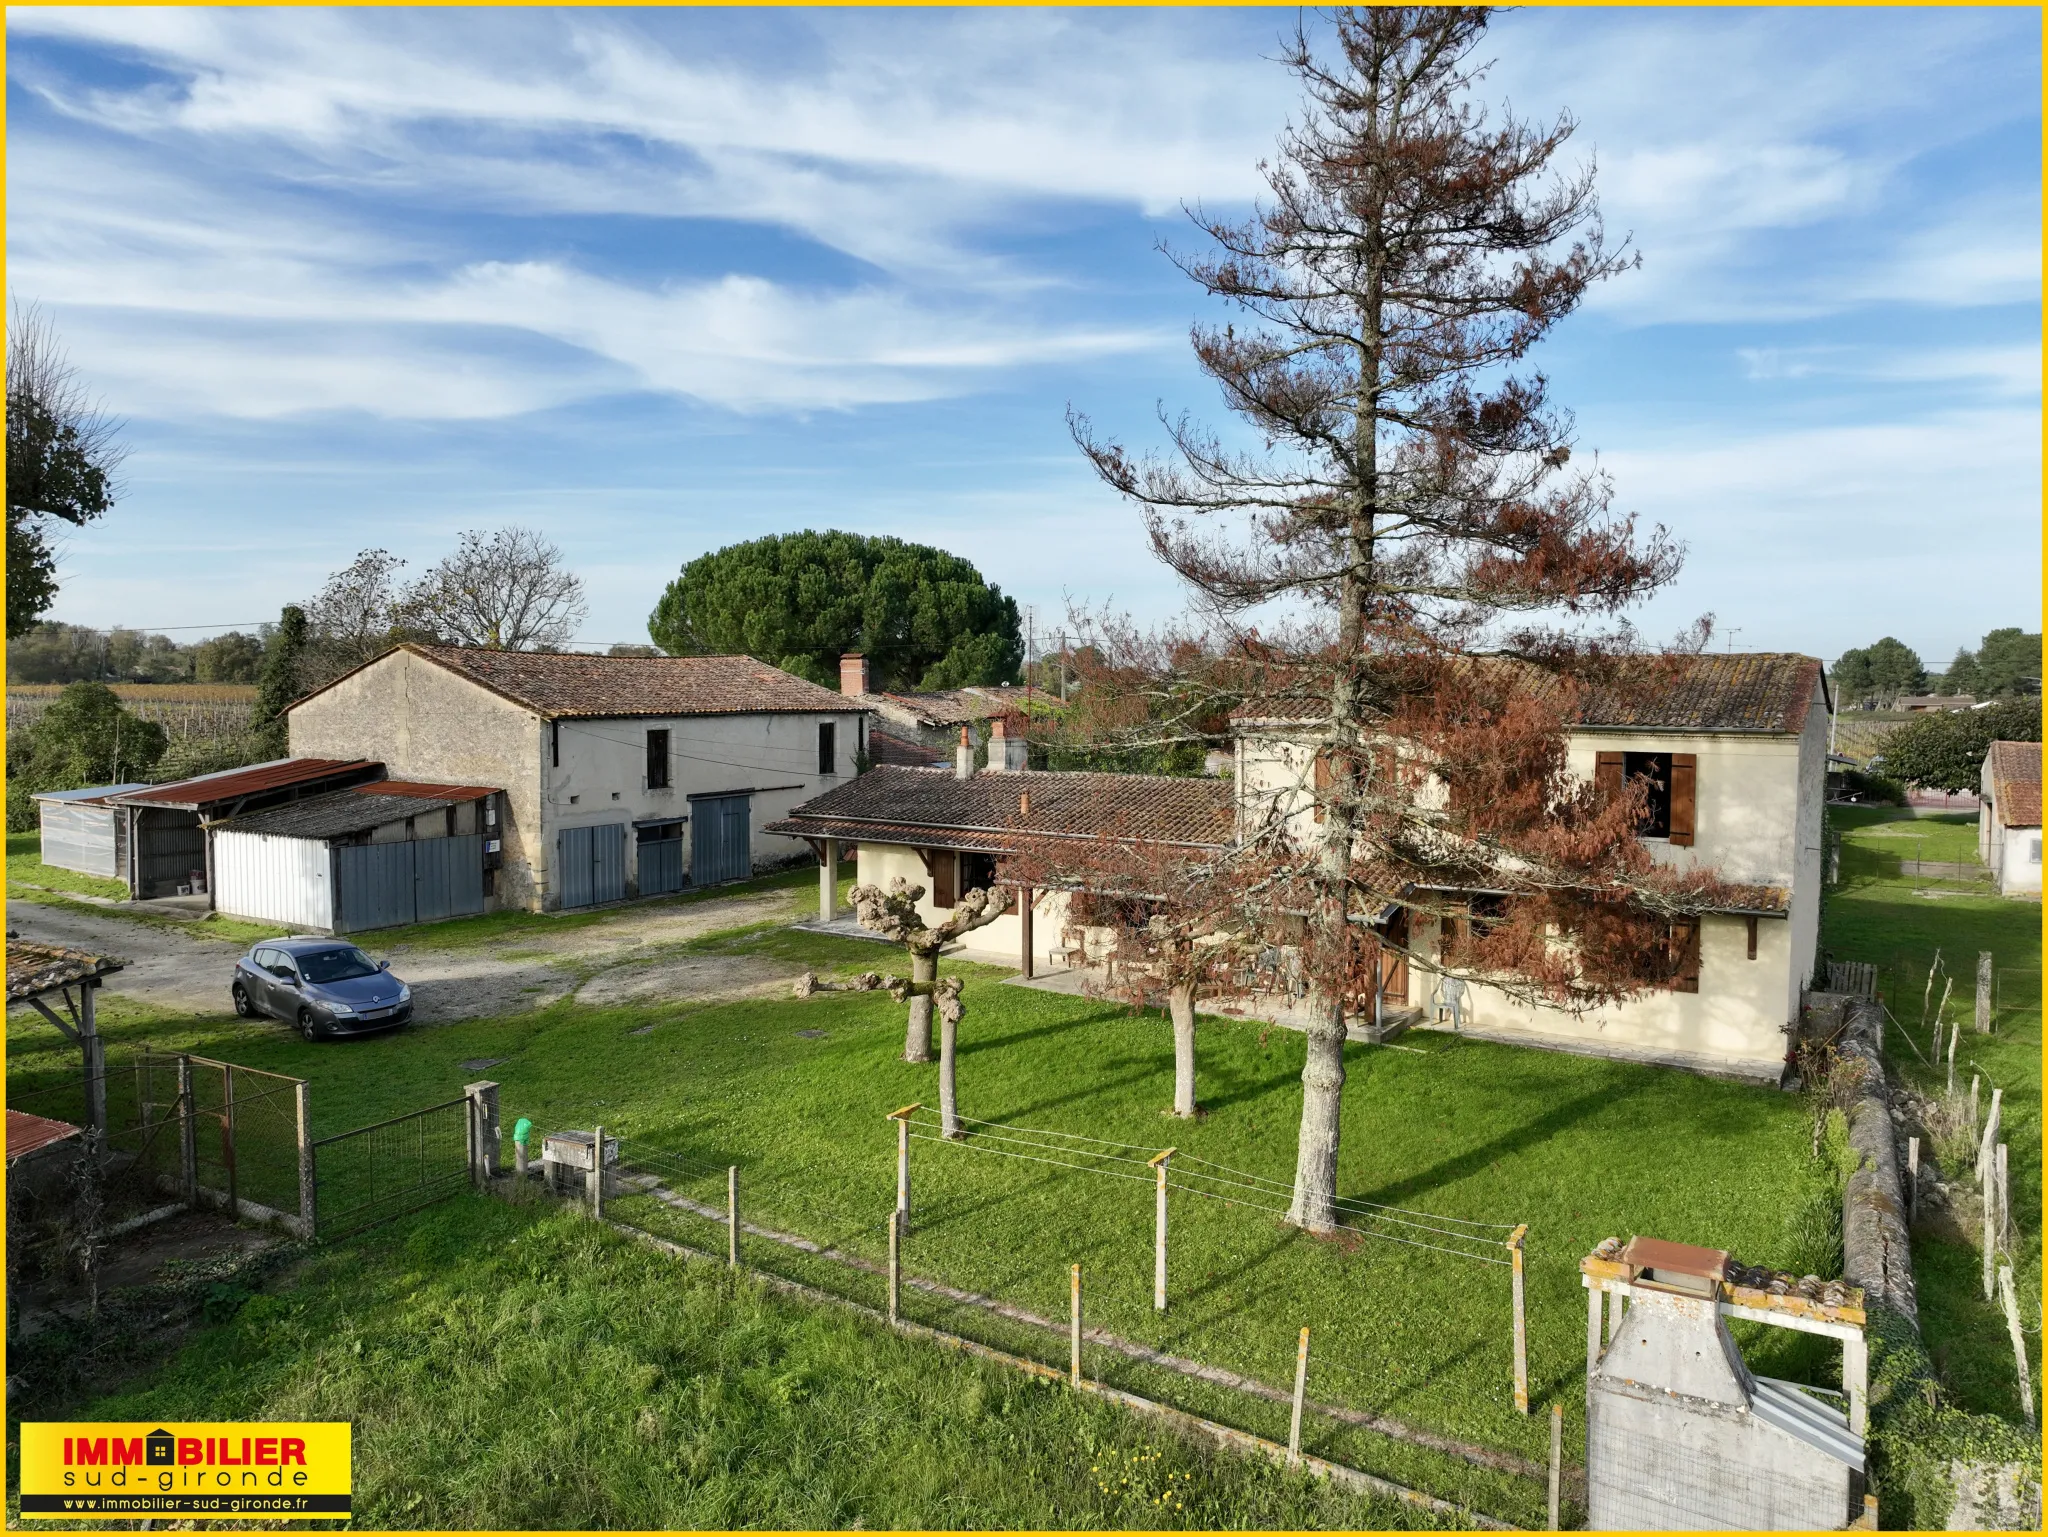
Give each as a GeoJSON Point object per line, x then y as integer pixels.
{"type": "Point", "coordinates": [945, 878]}
{"type": "Point", "coordinates": [1685, 955]}
{"type": "Point", "coordinates": [1684, 796]}
{"type": "Point", "coordinates": [1322, 783]}
{"type": "Point", "coordinates": [1607, 773]}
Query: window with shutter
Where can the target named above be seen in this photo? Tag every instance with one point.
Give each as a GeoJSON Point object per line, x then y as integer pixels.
{"type": "Point", "coordinates": [1684, 796]}
{"type": "Point", "coordinates": [945, 878]}
{"type": "Point", "coordinates": [1607, 773]}
{"type": "Point", "coordinates": [1322, 783]}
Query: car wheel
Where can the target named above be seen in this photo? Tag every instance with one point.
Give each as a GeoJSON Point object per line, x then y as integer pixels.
{"type": "Point", "coordinates": [307, 1027]}
{"type": "Point", "coordinates": [244, 1004]}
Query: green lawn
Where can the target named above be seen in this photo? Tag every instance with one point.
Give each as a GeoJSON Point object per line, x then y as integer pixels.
{"type": "Point", "coordinates": [514, 1367]}
{"type": "Point", "coordinates": [25, 867]}
{"type": "Point", "coordinates": [1875, 915]}
{"type": "Point", "coordinates": [1457, 1128]}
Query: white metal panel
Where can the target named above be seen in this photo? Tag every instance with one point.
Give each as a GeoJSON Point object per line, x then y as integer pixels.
{"type": "Point", "coordinates": [285, 880]}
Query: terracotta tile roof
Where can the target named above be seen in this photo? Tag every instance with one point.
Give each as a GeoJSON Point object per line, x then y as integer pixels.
{"type": "Point", "coordinates": [900, 752]}
{"type": "Point", "coordinates": [31, 1133]}
{"type": "Point", "coordinates": [933, 808]}
{"type": "Point", "coordinates": [565, 685]}
{"type": "Point", "coordinates": [34, 968]}
{"type": "Point", "coordinates": [236, 784]}
{"type": "Point", "coordinates": [2015, 770]}
{"type": "Point", "coordinates": [1766, 691]}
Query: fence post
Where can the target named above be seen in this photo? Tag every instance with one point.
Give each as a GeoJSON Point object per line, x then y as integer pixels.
{"type": "Point", "coordinates": [732, 1216]}
{"type": "Point", "coordinates": [228, 1130]}
{"type": "Point", "coordinates": [902, 1120]}
{"type": "Point", "coordinates": [1074, 1337]}
{"type": "Point", "coordinates": [303, 1093]}
{"type": "Point", "coordinates": [1856, 1381]}
{"type": "Point", "coordinates": [188, 1142]}
{"type": "Point", "coordinates": [483, 1131]}
{"type": "Point", "coordinates": [1521, 1322]}
{"type": "Point", "coordinates": [1300, 1389]}
{"type": "Point", "coordinates": [1556, 1460]}
{"type": "Point", "coordinates": [1159, 1235]}
{"type": "Point", "coordinates": [596, 1177]}
{"type": "Point", "coordinates": [895, 1264]}
{"type": "Point", "coordinates": [1984, 992]}
{"type": "Point", "coordinates": [95, 1051]}
{"type": "Point", "coordinates": [1912, 1179]}
{"type": "Point", "coordinates": [2019, 1341]}
{"type": "Point", "coordinates": [1594, 1297]}
{"type": "Point", "coordinates": [2004, 1199]}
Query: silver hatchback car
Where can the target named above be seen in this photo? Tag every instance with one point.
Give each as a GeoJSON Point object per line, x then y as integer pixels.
{"type": "Point", "coordinates": [326, 987]}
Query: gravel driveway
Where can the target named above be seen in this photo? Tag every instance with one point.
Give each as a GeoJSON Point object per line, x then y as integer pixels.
{"type": "Point", "coordinates": [633, 954]}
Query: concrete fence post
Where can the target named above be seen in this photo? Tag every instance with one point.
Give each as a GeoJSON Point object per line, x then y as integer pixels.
{"type": "Point", "coordinates": [596, 1176]}
{"type": "Point", "coordinates": [1556, 1461]}
{"type": "Point", "coordinates": [483, 1123]}
{"type": "Point", "coordinates": [902, 1120]}
{"type": "Point", "coordinates": [308, 1193]}
{"type": "Point", "coordinates": [895, 1265]}
{"type": "Point", "coordinates": [1159, 1235]}
{"type": "Point", "coordinates": [1912, 1178]}
{"type": "Point", "coordinates": [1515, 1241]}
{"type": "Point", "coordinates": [1984, 992]}
{"type": "Point", "coordinates": [1594, 1295]}
{"type": "Point", "coordinates": [2010, 1302]}
{"type": "Point", "coordinates": [732, 1216]}
{"type": "Point", "coordinates": [1856, 1382]}
{"type": "Point", "coordinates": [1300, 1392]}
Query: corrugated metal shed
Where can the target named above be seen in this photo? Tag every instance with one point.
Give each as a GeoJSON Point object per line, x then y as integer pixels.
{"type": "Point", "coordinates": [28, 1134]}
{"type": "Point", "coordinates": [336, 816]}
{"type": "Point", "coordinates": [212, 790]}
{"type": "Point", "coordinates": [82, 831]}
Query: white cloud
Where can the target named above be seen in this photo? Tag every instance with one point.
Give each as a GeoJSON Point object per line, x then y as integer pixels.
{"type": "Point", "coordinates": [1999, 370]}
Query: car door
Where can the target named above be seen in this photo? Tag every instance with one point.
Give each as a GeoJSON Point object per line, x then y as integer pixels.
{"type": "Point", "coordinates": [257, 979]}
{"type": "Point", "coordinates": [279, 998]}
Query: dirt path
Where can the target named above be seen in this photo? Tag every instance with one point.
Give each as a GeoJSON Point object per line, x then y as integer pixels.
{"type": "Point", "coordinates": [633, 954]}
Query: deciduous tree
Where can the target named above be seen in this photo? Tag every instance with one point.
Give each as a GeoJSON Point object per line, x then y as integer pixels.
{"type": "Point", "coordinates": [508, 590]}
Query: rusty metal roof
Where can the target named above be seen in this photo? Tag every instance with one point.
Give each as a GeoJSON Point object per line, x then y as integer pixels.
{"type": "Point", "coordinates": [31, 1133]}
{"type": "Point", "coordinates": [1680, 1258]}
{"type": "Point", "coordinates": [425, 791]}
{"type": "Point", "coordinates": [33, 968]}
{"type": "Point", "coordinates": [237, 784]}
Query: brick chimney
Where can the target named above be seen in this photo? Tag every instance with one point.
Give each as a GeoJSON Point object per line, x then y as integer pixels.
{"type": "Point", "coordinates": [853, 673]}
{"type": "Point", "coordinates": [963, 757]}
{"type": "Point", "coordinates": [1008, 752]}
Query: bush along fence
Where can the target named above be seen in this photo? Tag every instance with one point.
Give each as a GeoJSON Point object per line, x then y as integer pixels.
{"type": "Point", "coordinates": [1935, 1465]}
{"type": "Point", "coordinates": [860, 1249]}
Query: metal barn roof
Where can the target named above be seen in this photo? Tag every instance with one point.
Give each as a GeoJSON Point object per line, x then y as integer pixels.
{"type": "Point", "coordinates": [238, 784]}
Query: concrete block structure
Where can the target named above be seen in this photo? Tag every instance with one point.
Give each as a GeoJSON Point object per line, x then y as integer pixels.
{"type": "Point", "coordinates": [1680, 1435]}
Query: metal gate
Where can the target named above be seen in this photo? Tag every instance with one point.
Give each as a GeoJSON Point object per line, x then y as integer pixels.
{"type": "Point", "coordinates": [593, 864]}
{"type": "Point", "coordinates": [379, 885]}
{"type": "Point", "coordinates": [661, 866]}
{"type": "Point", "coordinates": [385, 1170]}
{"type": "Point", "coordinates": [721, 838]}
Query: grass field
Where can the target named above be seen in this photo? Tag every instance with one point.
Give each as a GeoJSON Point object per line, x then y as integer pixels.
{"type": "Point", "coordinates": [1899, 922]}
{"type": "Point", "coordinates": [514, 1367]}
{"type": "Point", "coordinates": [1458, 1128]}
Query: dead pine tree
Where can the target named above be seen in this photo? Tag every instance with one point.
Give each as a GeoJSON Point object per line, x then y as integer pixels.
{"type": "Point", "coordinates": [1410, 510]}
{"type": "Point", "coordinates": [893, 914]}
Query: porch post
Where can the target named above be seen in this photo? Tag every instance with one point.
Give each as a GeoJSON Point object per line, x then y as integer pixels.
{"type": "Point", "coordinates": [828, 881]}
{"type": "Point", "coordinates": [1024, 899]}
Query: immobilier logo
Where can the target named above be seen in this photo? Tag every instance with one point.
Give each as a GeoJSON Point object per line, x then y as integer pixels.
{"type": "Point", "coordinates": [136, 1472]}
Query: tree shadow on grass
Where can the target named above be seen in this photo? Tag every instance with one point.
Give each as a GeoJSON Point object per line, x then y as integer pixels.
{"type": "Point", "coordinates": [1016, 1037]}
{"type": "Point", "coordinates": [1545, 1126]}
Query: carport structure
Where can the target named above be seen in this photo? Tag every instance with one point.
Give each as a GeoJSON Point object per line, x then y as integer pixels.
{"type": "Point", "coordinates": [376, 855]}
{"type": "Point", "coordinates": [167, 846]}
{"type": "Point", "coordinates": [38, 974]}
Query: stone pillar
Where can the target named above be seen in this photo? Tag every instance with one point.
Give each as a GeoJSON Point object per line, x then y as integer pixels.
{"type": "Point", "coordinates": [828, 881]}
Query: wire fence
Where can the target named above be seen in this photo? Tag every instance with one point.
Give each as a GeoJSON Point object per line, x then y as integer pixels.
{"type": "Point", "coordinates": [834, 1236]}
{"type": "Point", "coordinates": [388, 1168]}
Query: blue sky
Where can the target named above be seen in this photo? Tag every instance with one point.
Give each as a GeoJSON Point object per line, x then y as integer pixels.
{"type": "Point", "coordinates": [653, 281]}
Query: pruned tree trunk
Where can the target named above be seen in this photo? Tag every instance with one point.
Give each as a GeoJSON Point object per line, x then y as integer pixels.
{"type": "Point", "coordinates": [917, 1040]}
{"type": "Point", "coordinates": [949, 1095]}
{"type": "Point", "coordinates": [1180, 1003]}
{"type": "Point", "coordinates": [1322, 1100]}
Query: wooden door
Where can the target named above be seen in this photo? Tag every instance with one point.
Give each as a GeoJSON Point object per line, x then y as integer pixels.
{"type": "Point", "coordinates": [1394, 967]}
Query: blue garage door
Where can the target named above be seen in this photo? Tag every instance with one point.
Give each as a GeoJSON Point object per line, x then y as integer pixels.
{"type": "Point", "coordinates": [380, 885]}
{"type": "Point", "coordinates": [661, 859]}
{"type": "Point", "coordinates": [448, 876]}
{"type": "Point", "coordinates": [592, 862]}
{"type": "Point", "coordinates": [721, 839]}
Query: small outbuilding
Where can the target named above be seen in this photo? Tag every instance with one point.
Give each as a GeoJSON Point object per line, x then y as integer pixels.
{"type": "Point", "coordinates": [84, 830]}
{"type": "Point", "coordinates": [371, 856]}
{"type": "Point", "coordinates": [2009, 816]}
{"type": "Point", "coordinates": [166, 845]}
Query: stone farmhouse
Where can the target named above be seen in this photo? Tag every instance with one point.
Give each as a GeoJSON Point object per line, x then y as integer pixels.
{"type": "Point", "coordinates": [616, 776]}
{"type": "Point", "coordinates": [2009, 816]}
{"type": "Point", "coordinates": [920, 728]}
{"type": "Point", "coordinates": [1736, 755]}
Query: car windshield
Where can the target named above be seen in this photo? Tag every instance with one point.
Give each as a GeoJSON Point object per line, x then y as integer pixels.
{"type": "Point", "coordinates": [335, 965]}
